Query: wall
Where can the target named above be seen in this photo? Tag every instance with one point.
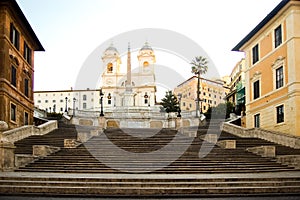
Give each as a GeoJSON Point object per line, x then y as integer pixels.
{"type": "Point", "coordinates": [272, 136]}
{"type": "Point", "coordinates": [26, 131]}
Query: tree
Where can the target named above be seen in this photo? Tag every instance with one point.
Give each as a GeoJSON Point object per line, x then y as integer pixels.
{"type": "Point", "coordinates": [170, 102]}
{"type": "Point", "coordinates": [199, 67]}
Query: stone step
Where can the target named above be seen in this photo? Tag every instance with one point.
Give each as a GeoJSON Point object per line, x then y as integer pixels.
{"type": "Point", "coordinates": [147, 187]}
{"type": "Point", "coordinates": [150, 183]}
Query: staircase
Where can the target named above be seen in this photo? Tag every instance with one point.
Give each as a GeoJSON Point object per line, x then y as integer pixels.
{"type": "Point", "coordinates": [148, 162]}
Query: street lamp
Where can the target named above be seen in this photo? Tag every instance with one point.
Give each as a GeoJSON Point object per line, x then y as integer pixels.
{"type": "Point", "coordinates": [201, 100]}
{"type": "Point", "coordinates": [179, 100]}
{"type": "Point", "coordinates": [74, 99]}
{"type": "Point", "coordinates": [101, 103]}
{"type": "Point", "coordinates": [66, 109]}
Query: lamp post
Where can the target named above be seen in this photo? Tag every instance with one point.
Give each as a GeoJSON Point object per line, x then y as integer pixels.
{"type": "Point", "coordinates": [74, 99]}
{"type": "Point", "coordinates": [149, 101]}
{"type": "Point", "coordinates": [101, 103]}
{"type": "Point", "coordinates": [66, 109]}
{"type": "Point", "coordinates": [179, 100]}
{"type": "Point", "coordinates": [200, 106]}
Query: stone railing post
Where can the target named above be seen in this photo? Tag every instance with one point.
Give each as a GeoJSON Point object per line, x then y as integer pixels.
{"type": "Point", "coordinates": [7, 150]}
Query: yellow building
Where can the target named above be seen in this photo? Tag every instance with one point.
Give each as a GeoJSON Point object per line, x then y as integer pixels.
{"type": "Point", "coordinates": [212, 93]}
{"type": "Point", "coordinates": [272, 70]}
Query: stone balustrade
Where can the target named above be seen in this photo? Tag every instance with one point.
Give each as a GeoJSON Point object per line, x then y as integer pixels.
{"type": "Point", "coordinates": [8, 161]}
{"type": "Point", "coordinates": [26, 131]}
{"type": "Point", "coordinates": [271, 136]}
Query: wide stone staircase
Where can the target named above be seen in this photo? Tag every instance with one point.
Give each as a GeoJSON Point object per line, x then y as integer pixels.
{"type": "Point", "coordinates": [151, 162]}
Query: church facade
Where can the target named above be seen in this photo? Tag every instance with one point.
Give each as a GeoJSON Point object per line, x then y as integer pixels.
{"type": "Point", "coordinates": [136, 87]}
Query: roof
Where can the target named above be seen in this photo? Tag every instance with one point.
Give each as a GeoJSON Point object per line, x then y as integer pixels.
{"type": "Point", "coordinates": [204, 79]}
{"type": "Point", "coordinates": [17, 10]}
{"type": "Point", "coordinates": [260, 25]}
{"type": "Point", "coordinates": [112, 48]}
{"type": "Point", "coordinates": [146, 47]}
{"type": "Point", "coordinates": [71, 90]}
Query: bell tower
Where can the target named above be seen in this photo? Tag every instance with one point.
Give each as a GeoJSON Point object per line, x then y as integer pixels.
{"type": "Point", "coordinates": [111, 65]}
{"type": "Point", "coordinates": [146, 59]}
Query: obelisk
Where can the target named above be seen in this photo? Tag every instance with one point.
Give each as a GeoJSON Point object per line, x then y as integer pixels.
{"type": "Point", "coordinates": [128, 94]}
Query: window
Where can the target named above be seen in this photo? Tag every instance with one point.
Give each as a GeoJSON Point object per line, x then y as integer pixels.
{"type": "Point", "coordinates": [14, 36]}
{"type": "Point", "coordinates": [53, 101]}
{"type": "Point", "coordinates": [280, 114]}
{"type": "Point", "coordinates": [13, 80]}
{"type": "Point", "coordinates": [27, 53]}
{"type": "Point", "coordinates": [61, 100]}
{"type": "Point", "coordinates": [26, 118]}
{"type": "Point", "coordinates": [109, 101]}
{"type": "Point", "coordinates": [26, 87]}
{"type": "Point", "coordinates": [109, 68]}
{"type": "Point", "coordinates": [46, 101]}
{"type": "Point", "coordinates": [279, 77]}
{"type": "Point", "coordinates": [84, 105]}
{"type": "Point", "coordinates": [84, 97]}
{"type": "Point", "coordinates": [39, 101]}
{"type": "Point", "coordinates": [278, 36]}
{"type": "Point", "coordinates": [257, 120]}
{"type": "Point", "coordinates": [256, 89]}
{"type": "Point", "coordinates": [13, 112]}
{"type": "Point", "coordinates": [183, 103]}
{"type": "Point", "coordinates": [255, 54]}
{"type": "Point", "coordinates": [146, 101]}
{"type": "Point", "coordinates": [61, 109]}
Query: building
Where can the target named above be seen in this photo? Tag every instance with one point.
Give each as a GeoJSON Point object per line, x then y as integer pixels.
{"type": "Point", "coordinates": [17, 45]}
{"type": "Point", "coordinates": [212, 93]}
{"type": "Point", "coordinates": [272, 59]}
{"type": "Point", "coordinates": [237, 94]}
{"type": "Point", "coordinates": [136, 87]}
{"type": "Point", "coordinates": [61, 101]}
{"type": "Point", "coordinates": [117, 92]}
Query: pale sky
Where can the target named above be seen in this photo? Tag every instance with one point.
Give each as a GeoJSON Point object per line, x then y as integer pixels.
{"type": "Point", "coordinates": [70, 30]}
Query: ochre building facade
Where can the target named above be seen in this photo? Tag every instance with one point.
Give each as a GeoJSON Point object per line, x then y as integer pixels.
{"type": "Point", "coordinates": [272, 76]}
{"type": "Point", "coordinates": [17, 45]}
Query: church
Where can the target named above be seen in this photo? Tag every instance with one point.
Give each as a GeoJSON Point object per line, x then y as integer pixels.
{"type": "Point", "coordinates": [135, 88]}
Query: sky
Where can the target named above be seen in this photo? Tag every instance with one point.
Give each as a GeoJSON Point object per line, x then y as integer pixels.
{"type": "Point", "coordinates": [70, 30]}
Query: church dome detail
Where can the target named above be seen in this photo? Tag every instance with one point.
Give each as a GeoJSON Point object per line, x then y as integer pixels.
{"type": "Point", "coordinates": [111, 50]}
{"type": "Point", "coordinates": [146, 47]}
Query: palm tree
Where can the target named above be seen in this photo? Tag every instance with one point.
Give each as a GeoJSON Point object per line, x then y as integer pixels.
{"type": "Point", "coordinates": [199, 67]}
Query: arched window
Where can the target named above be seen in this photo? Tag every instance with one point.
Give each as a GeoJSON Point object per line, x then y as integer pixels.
{"type": "Point", "coordinates": [110, 68]}
{"type": "Point", "coordinates": [146, 64]}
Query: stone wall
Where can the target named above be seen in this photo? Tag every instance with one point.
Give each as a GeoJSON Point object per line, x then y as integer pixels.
{"type": "Point", "coordinates": [26, 131]}
{"type": "Point", "coordinates": [272, 136]}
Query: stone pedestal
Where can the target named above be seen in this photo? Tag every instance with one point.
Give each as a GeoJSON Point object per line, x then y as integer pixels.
{"type": "Point", "coordinates": [43, 150]}
{"type": "Point", "coordinates": [227, 144]}
{"type": "Point", "coordinates": [128, 99]}
{"type": "Point", "coordinates": [7, 150]}
{"type": "Point", "coordinates": [178, 123]}
{"type": "Point", "coordinates": [7, 156]}
{"type": "Point", "coordinates": [101, 122]}
{"type": "Point", "coordinates": [211, 138]}
{"type": "Point", "coordinates": [264, 151]}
